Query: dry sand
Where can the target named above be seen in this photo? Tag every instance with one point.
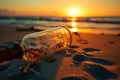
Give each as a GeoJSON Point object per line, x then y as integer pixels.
{"type": "Point", "coordinates": [99, 55]}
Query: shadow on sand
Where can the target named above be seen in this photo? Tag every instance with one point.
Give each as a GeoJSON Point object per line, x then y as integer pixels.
{"type": "Point", "coordinates": [91, 50]}
{"type": "Point", "coordinates": [74, 78]}
{"type": "Point", "coordinates": [79, 58]}
{"type": "Point", "coordinates": [99, 72]}
{"type": "Point", "coordinates": [96, 70]}
{"type": "Point", "coordinates": [73, 46]}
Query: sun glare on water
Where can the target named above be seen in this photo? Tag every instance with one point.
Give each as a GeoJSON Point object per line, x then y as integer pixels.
{"type": "Point", "coordinates": [74, 26]}
{"type": "Point", "coordinates": [74, 13]}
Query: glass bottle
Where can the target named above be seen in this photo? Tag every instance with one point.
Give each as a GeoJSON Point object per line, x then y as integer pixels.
{"type": "Point", "coordinates": [46, 42]}
{"type": "Point", "coordinates": [37, 44]}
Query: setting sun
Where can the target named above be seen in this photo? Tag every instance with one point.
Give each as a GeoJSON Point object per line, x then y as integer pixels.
{"type": "Point", "coordinates": [74, 12]}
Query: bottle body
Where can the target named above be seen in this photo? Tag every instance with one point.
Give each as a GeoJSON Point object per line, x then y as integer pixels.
{"type": "Point", "coordinates": [46, 42]}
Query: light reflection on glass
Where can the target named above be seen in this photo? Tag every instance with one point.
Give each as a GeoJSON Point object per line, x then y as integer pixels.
{"type": "Point", "coordinates": [74, 29]}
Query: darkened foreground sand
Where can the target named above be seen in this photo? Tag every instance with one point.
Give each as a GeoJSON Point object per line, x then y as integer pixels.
{"type": "Point", "coordinates": [90, 57]}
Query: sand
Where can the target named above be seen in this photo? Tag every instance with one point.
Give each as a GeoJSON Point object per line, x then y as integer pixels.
{"type": "Point", "coordinates": [92, 56]}
{"type": "Point", "coordinates": [97, 49]}
{"type": "Point", "coordinates": [9, 33]}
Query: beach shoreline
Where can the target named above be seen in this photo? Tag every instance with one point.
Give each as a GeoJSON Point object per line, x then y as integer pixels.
{"type": "Point", "coordinates": [10, 33]}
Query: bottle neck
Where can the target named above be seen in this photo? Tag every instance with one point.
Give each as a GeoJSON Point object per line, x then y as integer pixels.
{"type": "Point", "coordinates": [11, 52]}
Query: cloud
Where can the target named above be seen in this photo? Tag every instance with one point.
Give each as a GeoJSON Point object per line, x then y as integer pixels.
{"type": "Point", "coordinates": [8, 12]}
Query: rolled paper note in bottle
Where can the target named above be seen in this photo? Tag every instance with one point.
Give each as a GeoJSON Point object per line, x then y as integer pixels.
{"type": "Point", "coordinates": [46, 42]}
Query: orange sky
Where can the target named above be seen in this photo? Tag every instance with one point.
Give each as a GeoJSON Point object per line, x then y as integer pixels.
{"type": "Point", "coordinates": [60, 7]}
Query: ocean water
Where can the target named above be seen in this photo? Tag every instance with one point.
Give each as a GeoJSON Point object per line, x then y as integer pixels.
{"type": "Point", "coordinates": [112, 23]}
